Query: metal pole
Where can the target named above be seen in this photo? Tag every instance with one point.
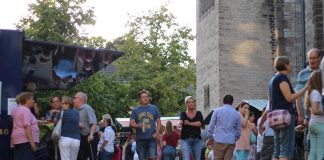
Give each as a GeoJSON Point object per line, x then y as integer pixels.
{"type": "Point", "coordinates": [303, 42]}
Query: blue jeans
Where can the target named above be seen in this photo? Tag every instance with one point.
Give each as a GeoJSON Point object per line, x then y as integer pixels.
{"type": "Point", "coordinates": [23, 151]}
{"type": "Point", "coordinates": [106, 155]}
{"type": "Point", "coordinates": [191, 146]}
{"type": "Point", "coordinates": [316, 131]}
{"type": "Point", "coordinates": [146, 148]}
{"type": "Point", "coordinates": [284, 141]}
{"type": "Point", "coordinates": [169, 153]}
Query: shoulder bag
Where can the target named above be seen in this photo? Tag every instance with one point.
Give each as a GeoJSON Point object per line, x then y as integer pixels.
{"type": "Point", "coordinates": [56, 134]}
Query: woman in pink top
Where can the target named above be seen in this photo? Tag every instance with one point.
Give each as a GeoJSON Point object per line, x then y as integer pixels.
{"type": "Point", "coordinates": [242, 145]}
{"type": "Point", "coordinates": [25, 132]}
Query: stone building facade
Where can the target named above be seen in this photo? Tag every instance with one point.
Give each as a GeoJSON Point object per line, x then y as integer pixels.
{"type": "Point", "coordinates": [314, 29]}
{"type": "Point", "coordinates": [237, 42]}
{"type": "Point", "coordinates": [288, 26]}
{"type": "Point", "coordinates": [234, 51]}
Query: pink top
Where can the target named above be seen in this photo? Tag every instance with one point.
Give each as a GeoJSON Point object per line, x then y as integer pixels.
{"type": "Point", "coordinates": [22, 116]}
{"type": "Point", "coordinates": [244, 142]}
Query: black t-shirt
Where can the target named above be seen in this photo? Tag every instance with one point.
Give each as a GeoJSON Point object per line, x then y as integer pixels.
{"type": "Point", "coordinates": [278, 100]}
{"type": "Point", "coordinates": [191, 131]}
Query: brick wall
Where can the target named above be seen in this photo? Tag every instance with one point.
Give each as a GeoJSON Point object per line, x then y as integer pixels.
{"type": "Point", "coordinates": [314, 24]}
{"type": "Point", "coordinates": [233, 51]}
{"type": "Point", "coordinates": [207, 57]}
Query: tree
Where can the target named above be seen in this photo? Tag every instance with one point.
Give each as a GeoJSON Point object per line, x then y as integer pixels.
{"type": "Point", "coordinates": [95, 42]}
{"type": "Point", "coordinates": [104, 95]}
{"type": "Point", "coordinates": [58, 21]}
{"type": "Point", "coordinates": [62, 21]}
{"type": "Point", "coordinates": [156, 59]}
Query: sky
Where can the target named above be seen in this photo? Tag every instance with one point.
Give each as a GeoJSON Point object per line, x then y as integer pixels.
{"type": "Point", "coordinates": [111, 15]}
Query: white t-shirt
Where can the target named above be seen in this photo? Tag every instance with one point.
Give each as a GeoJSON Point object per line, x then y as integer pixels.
{"type": "Point", "coordinates": [316, 97]}
{"type": "Point", "coordinates": [211, 155]}
{"type": "Point", "coordinates": [108, 135]}
{"type": "Point", "coordinates": [268, 131]}
{"type": "Point", "coordinates": [259, 138]}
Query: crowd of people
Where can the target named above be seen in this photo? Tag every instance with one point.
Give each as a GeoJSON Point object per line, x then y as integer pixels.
{"type": "Point", "coordinates": [231, 134]}
{"type": "Point", "coordinates": [78, 129]}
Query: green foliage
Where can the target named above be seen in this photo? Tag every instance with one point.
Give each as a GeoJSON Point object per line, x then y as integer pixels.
{"type": "Point", "coordinates": [156, 59]}
{"type": "Point", "coordinates": [62, 21]}
{"type": "Point", "coordinates": [94, 42]}
{"type": "Point", "coordinates": [58, 21]}
{"type": "Point", "coordinates": [104, 94]}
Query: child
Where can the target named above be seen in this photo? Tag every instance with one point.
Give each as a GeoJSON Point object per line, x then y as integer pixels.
{"type": "Point", "coordinates": [208, 149]}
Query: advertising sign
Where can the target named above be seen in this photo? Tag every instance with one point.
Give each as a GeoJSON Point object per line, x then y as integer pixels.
{"type": "Point", "coordinates": [48, 65]}
{"type": "Point", "coordinates": [12, 104]}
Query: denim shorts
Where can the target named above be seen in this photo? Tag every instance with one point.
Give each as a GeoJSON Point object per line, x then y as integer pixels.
{"type": "Point", "coordinates": [146, 148]}
{"type": "Point", "coordinates": [284, 141]}
{"type": "Point", "coordinates": [242, 154]}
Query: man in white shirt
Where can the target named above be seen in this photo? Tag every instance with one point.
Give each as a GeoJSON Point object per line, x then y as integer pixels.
{"type": "Point", "coordinates": [268, 141]}
{"type": "Point", "coordinates": [259, 141]}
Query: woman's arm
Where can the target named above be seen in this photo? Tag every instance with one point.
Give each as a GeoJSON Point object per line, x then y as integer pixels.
{"type": "Point", "coordinates": [254, 129]}
{"type": "Point", "coordinates": [290, 97]}
{"type": "Point", "coordinates": [316, 108]}
{"type": "Point", "coordinates": [161, 142]}
{"type": "Point", "coordinates": [245, 119]}
{"type": "Point", "coordinates": [199, 120]}
{"type": "Point", "coordinates": [195, 124]}
{"type": "Point", "coordinates": [164, 143]}
{"type": "Point", "coordinates": [103, 145]}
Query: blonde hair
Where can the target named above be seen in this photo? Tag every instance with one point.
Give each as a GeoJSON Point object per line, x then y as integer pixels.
{"type": "Point", "coordinates": [189, 97]}
{"type": "Point", "coordinates": [315, 83]}
{"type": "Point", "coordinates": [69, 100]}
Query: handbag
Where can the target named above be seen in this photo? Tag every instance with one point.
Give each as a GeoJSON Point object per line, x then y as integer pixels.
{"type": "Point", "coordinates": [56, 134]}
{"type": "Point", "coordinates": [279, 119]}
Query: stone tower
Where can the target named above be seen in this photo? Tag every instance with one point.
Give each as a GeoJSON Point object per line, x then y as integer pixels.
{"type": "Point", "coordinates": [236, 44]}
{"type": "Point", "coordinates": [314, 26]}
